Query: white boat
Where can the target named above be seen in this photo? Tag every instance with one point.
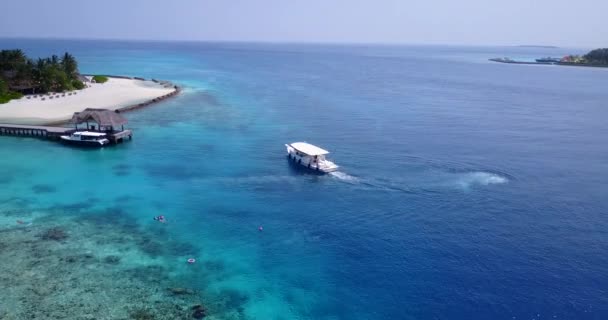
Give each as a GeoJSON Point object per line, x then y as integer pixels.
{"type": "Point", "coordinates": [87, 139]}
{"type": "Point", "coordinates": [310, 156]}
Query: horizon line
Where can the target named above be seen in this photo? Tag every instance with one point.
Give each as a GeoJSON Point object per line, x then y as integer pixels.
{"type": "Point", "coordinates": [345, 43]}
{"type": "Point", "coordinates": [292, 42]}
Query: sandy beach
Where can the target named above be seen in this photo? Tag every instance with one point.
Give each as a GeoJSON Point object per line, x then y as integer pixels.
{"type": "Point", "coordinates": [114, 94]}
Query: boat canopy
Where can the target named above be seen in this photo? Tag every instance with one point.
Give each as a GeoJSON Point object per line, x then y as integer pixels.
{"type": "Point", "coordinates": [308, 149]}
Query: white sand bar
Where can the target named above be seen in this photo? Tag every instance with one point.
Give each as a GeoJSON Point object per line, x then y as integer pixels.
{"type": "Point", "coordinates": [114, 94]}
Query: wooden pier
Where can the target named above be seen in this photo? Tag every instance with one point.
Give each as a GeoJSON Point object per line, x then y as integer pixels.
{"type": "Point", "coordinates": [54, 133]}
{"type": "Point", "coordinates": [120, 136]}
{"type": "Point", "coordinates": [44, 132]}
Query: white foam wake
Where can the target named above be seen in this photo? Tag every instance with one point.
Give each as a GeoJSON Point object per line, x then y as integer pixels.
{"type": "Point", "coordinates": [344, 177]}
{"type": "Point", "coordinates": [481, 178]}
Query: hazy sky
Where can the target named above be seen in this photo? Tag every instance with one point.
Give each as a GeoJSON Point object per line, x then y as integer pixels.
{"type": "Point", "coordinates": [486, 22]}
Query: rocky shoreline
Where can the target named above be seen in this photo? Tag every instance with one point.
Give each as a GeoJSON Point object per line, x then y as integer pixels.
{"type": "Point", "coordinates": [175, 92]}
{"type": "Point", "coordinates": [164, 83]}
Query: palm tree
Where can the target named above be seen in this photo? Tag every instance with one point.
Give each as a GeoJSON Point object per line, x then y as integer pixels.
{"type": "Point", "coordinates": [11, 59]}
{"type": "Point", "coordinates": [18, 55]}
{"type": "Point", "coordinates": [29, 70]}
{"type": "Point", "coordinates": [70, 66]}
{"type": "Point", "coordinates": [40, 70]}
{"type": "Point", "coordinates": [54, 60]}
{"type": "Point", "coordinates": [23, 72]}
{"type": "Point", "coordinates": [40, 64]}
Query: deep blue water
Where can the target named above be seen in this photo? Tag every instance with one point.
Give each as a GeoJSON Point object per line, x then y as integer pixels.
{"type": "Point", "coordinates": [467, 190]}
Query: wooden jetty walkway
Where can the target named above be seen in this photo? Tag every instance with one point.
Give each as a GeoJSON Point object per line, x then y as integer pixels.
{"type": "Point", "coordinates": [54, 133]}
{"type": "Point", "coordinates": [46, 132]}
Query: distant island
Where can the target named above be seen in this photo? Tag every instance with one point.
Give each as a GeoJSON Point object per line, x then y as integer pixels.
{"type": "Point", "coordinates": [594, 58]}
{"type": "Point", "coordinates": [536, 46]}
{"type": "Point", "coordinates": [597, 57]}
{"type": "Point", "coordinates": [49, 90]}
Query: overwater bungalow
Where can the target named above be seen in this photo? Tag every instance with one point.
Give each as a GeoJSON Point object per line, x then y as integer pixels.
{"type": "Point", "coordinates": [103, 127]}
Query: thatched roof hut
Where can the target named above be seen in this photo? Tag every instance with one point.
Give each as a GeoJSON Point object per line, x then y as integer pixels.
{"type": "Point", "coordinates": [103, 117]}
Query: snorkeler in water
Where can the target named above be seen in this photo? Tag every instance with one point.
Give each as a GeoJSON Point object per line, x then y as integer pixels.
{"type": "Point", "coordinates": [160, 219]}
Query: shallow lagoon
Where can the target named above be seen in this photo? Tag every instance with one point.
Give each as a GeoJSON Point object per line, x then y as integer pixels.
{"type": "Point", "coordinates": [468, 189]}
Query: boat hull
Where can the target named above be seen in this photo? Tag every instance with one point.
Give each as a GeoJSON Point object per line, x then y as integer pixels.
{"type": "Point", "coordinates": [85, 143]}
{"type": "Point", "coordinates": [299, 169]}
{"type": "Point", "coordinates": [307, 164]}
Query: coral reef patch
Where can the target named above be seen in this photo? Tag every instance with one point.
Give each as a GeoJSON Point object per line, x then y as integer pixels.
{"type": "Point", "coordinates": [76, 266]}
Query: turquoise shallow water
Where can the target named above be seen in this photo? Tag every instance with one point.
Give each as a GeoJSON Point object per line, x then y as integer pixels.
{"type": "Point", "coordinates": [468, 189]}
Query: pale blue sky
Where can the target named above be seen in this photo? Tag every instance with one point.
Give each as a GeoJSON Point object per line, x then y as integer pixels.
{"type": "Point", "coordinates": [485, 22]}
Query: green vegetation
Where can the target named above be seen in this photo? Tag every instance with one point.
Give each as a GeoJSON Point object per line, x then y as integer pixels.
{"type": "Point", "coordinates": [3, 87]}
{"type": "Point", "coordinates": [100, 79]}
{"type": "Point", "coordinates": [20, 74]}
{"type": "Point", "coordinates": [6, 96]}
{"type": "Point", "coordinates": [597, 57]}
{"type": "Point", "coordinates": [77, 84]}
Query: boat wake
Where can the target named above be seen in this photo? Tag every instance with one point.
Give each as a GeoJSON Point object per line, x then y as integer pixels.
{"type": "Point", "coordinates": [344, 177]}
{"type": "Point", "coordinates": [426, 181]}
{"type": "Point", "coordinates": [369, 184]}
{"type": "Point", "coordinates": [481, 178]}
{"type": "Point", "coordinates": [419, 181]}
{"type": "Point", "coordinates": [460, 180]}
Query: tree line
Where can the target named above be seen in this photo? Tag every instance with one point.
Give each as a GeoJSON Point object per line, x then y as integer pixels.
{"type": "Point", "coordinates": [20, 73]}
{"type": "Point", "coordinates": [597, 56]}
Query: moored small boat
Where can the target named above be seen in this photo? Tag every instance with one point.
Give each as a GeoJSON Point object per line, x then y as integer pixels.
{"type": "Point", "coordinates": [548, 60]}
{"type": "Point", "coordinates": [86, 139]}
{"type": "Point", "coordinates": [310, 156]}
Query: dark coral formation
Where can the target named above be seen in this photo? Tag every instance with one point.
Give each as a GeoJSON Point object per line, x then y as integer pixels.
{"type": "Point", "coordinates": [141, 314]}
{"type": "Point", "coordinates": [199, 311]}
{"type": "Point", "coordinates": [112, 260]}
{"type": "Point", "coordinates": [43, 188]}
{"type": "Point", "coordinates": [180, 291]}
{"type": "Point", "coordinates": [56, 234]}
{"type": "Point", "coordinates": [151, 247]}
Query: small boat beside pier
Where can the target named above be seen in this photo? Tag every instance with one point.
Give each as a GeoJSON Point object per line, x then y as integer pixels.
{"type": "Point", "coordinates": [86, 139]}
{"type": "Point", "coordinates": [100, 124]}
